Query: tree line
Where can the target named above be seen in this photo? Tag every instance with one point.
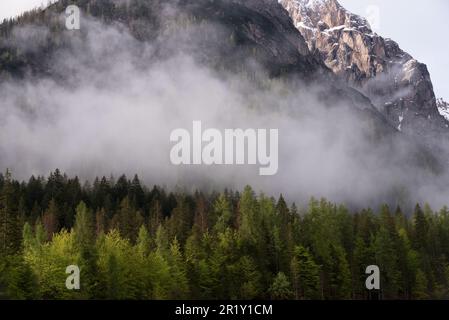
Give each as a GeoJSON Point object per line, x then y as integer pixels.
{"type": "Point", "coordinates": [134, 242]}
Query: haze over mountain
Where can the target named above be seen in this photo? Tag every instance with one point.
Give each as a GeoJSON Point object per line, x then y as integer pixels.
{"type": "Point", "coordinates": [357, 116]}
{"type": "Point", "coordinates": [395, 82]}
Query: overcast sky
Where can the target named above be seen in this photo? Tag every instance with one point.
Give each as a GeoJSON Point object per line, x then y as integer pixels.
{"type": "Point", "coordinates": [420, 27]}
{"type": "Point", "coordinates": [10, 8]}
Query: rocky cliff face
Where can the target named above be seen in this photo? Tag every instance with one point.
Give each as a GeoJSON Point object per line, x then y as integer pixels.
{"type": "Point", "coordinates": [443, 107]}
{"type": "Point", "coordinates": [231, 32]}
{"type": "Point", "coordinates": [234, 35]}
{"type": "Point", "coordinates": [397, 84]}
{"type": "Point", "coordinates": [333, 133]}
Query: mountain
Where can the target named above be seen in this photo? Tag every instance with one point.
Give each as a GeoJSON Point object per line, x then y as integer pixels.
{"type": "Point", "coordinates": [397, 84]}
{"type": "Point", "coordinates": [257, 28]}
{"type": "Point", "coordinates": [253, 30]}
{"type": "Point", "coordinates": [348, 133]}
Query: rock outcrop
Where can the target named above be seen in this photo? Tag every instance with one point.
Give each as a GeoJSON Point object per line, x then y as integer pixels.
{"type": "Point", "coordinates": [397, 84]}
{"type": "Point", "coordinates": [443, 107]}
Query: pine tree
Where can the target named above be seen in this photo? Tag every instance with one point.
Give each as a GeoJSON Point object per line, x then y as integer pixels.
{"type": "Point", "coordinates": [136, 193]}
{"type": "Point", "coordinates": [386, 259]}
{"type": "Point", "coordinates": [339, 274]}
{"type": "Point", "coordinates": [17, 279]}
{"type": "Point", "coordinates": [285, 233]}
{"type": "Point", "coordinates": [305, 275]}
{"type": "Point", "coordinates": [156, 217]}
{"type": "Point", "coordinates": [181, 220]}
{"type": "Point", "coordinates": [50, 219]}
{"type": "Point", "coordinates": [249, 278]}
{"type": "Point", "coordinates": [128, 220]}
{"type": "Point", "coordinates": [84, 231]}
{"type": "Point", "coordinates": [421, 228]}
{"type": "Point", "coordinates": [10, 228]}
{"type": "Point", "coordinates": [201, 218]}
{"type": "Point", "coordinates": [280, 289]}
{"type": "Point", "coordinates": [420, 289]}
{"type": "Point", "coordinates": [28, 239]}
{"type": "Point", "coordinates": [113, 274]}
{"type": "Point", "coordinates": [143, 242]}
{"type": "Point", "coordinates": [179, 284]}
{"type": "Point", "coordinates": [249, 219]}
{"type": "Point", "coordinates": [364, 255]}
{"type": "Point", "coordinates": [222, 210]}
{"type": "Point", "coordinates": [100, 222]}
{"type": "Point", "coordinates": [84, 227]}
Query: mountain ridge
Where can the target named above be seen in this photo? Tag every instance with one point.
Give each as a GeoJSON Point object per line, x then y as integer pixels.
{"type": "Point", "coordinates": [253, 40]}
{"type": "Point", "coordinates": [397, 84]}
{"type": "Point", "coordinates": [260, 29]}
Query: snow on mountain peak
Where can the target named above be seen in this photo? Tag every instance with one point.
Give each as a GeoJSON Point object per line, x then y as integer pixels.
{"type": "Point", "coordinates": [398, 85]}
{"type": "Point", "coordinates": [313, 3]}
{"type": "Point", "coordinates": [443, 108]}
{"type": "Point", "coordinates": [325, 15]}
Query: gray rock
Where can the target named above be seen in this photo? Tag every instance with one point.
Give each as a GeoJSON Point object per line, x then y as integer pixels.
{"type": "Point", "coordinates": [397, 84]}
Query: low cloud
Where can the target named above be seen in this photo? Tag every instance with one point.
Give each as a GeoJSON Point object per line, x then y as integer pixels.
{"type": "Point", "coordinates": [119, 101]}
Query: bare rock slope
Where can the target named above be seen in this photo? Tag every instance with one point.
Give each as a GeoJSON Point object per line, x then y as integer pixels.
{"type": "Point", "coordinates": [397, 84]}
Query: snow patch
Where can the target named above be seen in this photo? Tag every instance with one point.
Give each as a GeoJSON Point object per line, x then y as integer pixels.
{"type": "Point", "coordinates": [401, 118]}
{"type": "Point", "coordinates": [444, 110]}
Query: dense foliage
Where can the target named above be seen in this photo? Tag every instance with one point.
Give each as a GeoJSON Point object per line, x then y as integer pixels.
{"type": "Point", "coordinates": [137, 243]}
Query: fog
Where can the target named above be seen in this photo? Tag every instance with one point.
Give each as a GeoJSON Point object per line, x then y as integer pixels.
{"type": "Point", "coordinates": [117, 105]}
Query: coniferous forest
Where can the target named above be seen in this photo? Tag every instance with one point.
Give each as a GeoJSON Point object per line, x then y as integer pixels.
{"type": "Point", "coordinates": [134, 242]}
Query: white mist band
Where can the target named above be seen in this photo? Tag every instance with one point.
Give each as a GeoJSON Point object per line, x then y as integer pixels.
{"type": "Point", "coordinates": [189, 148]}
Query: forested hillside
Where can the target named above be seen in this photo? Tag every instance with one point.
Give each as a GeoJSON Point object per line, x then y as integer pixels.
{"type": "Point", "coordinates": [132, 242]}
{"type": "Point", "coordinates": [107, 96]}
{"type": "Point", "coordinates": [260, 29]}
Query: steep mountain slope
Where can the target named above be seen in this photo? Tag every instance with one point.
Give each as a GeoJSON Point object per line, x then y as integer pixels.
{"type": "Point", "coordinates": [144, 67]}
{"type": "Point", "coordinates": [237, 36]}
{"type": "Point", "coordinates": [398, 85]}
{"type": "Point", "coordinates": [259, 29]}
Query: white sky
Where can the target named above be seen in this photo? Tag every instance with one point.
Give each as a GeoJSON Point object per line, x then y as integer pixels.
{"type": "Point", "coordinates": [10, 8]}
{"type": "Point", "coordinates": [420, 27]}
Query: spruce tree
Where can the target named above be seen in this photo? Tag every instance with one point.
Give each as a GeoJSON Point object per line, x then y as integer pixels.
{"type": "Point", "coordinates": [10, 228]}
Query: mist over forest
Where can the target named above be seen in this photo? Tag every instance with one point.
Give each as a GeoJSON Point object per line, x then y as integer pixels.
{"type": "Point", "coordinates": [86, 118]}
{"type": "Point", "coordinates": [110, 101]}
